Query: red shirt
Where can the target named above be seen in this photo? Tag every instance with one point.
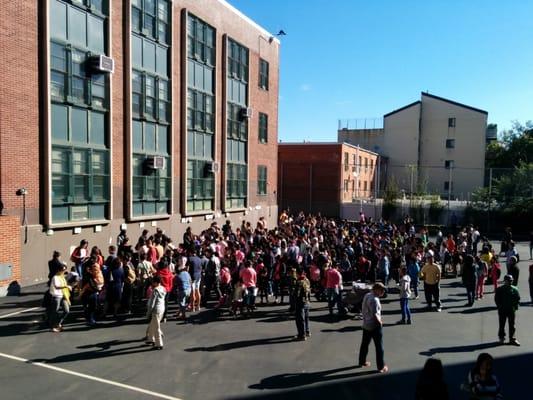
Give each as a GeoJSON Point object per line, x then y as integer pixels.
{"type": "Point", "coordinates": [334, 279]}
{"type": "Point", "coordinates": [166, 279]}
{"type": "Point", "coordinates": [249, 277]}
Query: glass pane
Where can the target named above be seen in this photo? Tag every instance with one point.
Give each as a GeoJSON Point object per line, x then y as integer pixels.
{"type": "Point", "coordinates": [59, 122]}
{"type": "Point", "coordinates": [58, 58]}
{"type": "Point", "coordinates": [148, 55]}
{"type": "Point", "coordinates": [60, 214]}
{"type": "Point", "coordinates": [162, 139]}
{"type": "Point", "coordinates": [77, 26]}
{"type": "Point", "coordinates": [163, 10]}
{"type": "Point", "coordinates": [162, 207]}
{"type": "Point", "coordinates": [136, 3]}
{"type": "Point", "coordinates": [98, 5]}
{"type": "Point", "coordinates": [149, 25]}
{"type": "Point", "coordinates": [163, 90]}
{"type": "Point", "coordinates": [163, 188]}
{"type": "Point", "coordinates": [208, 146]}
{"type": "Point", "coordinates": [199, 145]}
{"type": "Point", "coordinates": [137, 209]}
{"type": "Point", "coordinates": [137, 135]}
{"type": "Point", "coordinates": [136, 19]}
{"type": "Point", "coordinates": [57, 81]}
{"type": "Point", "coordinates": [99, 163]}
{"type": "Point", "coordinates": [151, 188]}
{"type": "Point", "coordinates": [79, 125]}
{"type": "Point", "coordinates": [149, 208]}
{"type": "Point", "coordinates": [98, 191]}
{"type": "Point", "coordinates": [190, 143]}
{"type": "Point", "coordinates": [137, 188]}
{"type": "Point", "coordinates": [138, 165]}
{"type": "Point", "coordinates": [149, 137]}
{"type": "Point", "coordinates": [60, 161]}
{"type": "Point", "coordinates": [79, 162]}
{"type": "Point", "coordinates": [58, 20]}
{"type": "Point", "coordinates": [163, 111]}
{"type": "Point", "coordinates": [81, 188]}
{"type": "Point", "coordinates": [97, 128]}
{"type": "Point", "coordinates": [149, 6]}
{"type": "Point", "coordinates": [137, 51]}
{"type": "Point", "coordinates": [59, 188]}
{"type": "Point", "coordinates": [162, 60]}
{"type": "Point", "coordinates": [163, 32]}
{"type": "Point", "coordinates": [95, 34]}
{"type": "Point", "coordinates": [97, 211]}
{"type": "Point", "coordinates": [79, 213]}
{"type": "Point", "coordinates": [78, 89]}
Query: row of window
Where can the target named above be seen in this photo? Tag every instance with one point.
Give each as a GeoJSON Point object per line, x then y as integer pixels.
{"type": "Point", "coordinates": [151, 18]}
{"type": "Point", "coordinates": [150, 96]}
{"type": "Point", "coordinates": [361, 185]}
{"type": "Point", "coordinates": [366, 162]}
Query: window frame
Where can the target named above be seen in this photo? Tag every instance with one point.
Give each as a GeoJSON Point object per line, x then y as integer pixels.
{"type": "Point", "coordinates": [264, 67]}
{"type": "Point", "coordinates": [450, 143]}
{"type": "Point", "coordinates": [452, 122]}
{"type": "Point", "coordinates": [263, 128]}
{"type": "Point", "coordinates": [262, 180]}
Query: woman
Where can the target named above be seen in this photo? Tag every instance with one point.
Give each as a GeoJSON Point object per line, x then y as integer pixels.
{"type": "Point", "coordinates": [430, 384]}
{"type": "Point", "coordinates": [114, 286]}
{"type": "Point", "coordinates": [481, 382]}
{"type": "Point", "coordinates": [60, 298]}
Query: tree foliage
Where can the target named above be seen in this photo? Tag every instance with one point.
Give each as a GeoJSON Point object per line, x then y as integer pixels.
{"type": "Point", "coordinates": [514, 148]}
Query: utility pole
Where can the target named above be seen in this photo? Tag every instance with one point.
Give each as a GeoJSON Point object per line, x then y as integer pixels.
{"type": "Point", "coordinates": [490, 200]}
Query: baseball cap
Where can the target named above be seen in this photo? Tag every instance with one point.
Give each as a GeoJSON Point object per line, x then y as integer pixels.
{"type": "Point", "coordinates": [508, 277]}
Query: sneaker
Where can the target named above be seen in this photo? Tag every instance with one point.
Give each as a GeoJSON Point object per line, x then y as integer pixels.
{"type": "Point", "coordinates": [401, 322]}
{"type": "Point", "coordinates": [365, 364]}
{"type": "Point", "coordinates": [158, 347]}
{"type": "Point", "coordinates": [300, 338]}
{"type": "Point", "coordinates": [56, 329]}
{"type": "Point", "coordinates": [501, 340]}
{"type": "Point", "coordinates": [384, 370]}
{"type": "Point", "coordinates": [439, 309]}
{"type": "Point", "coordinates": [409, 322]}
{"type": "Point", "coordinates": [514, 342]}
{"type": "Point", "coordinates": [149, 343]}
{"type": "Point", "coordinates": [417, 297]}
{"type": "Point", "coordinates": [308, 334]}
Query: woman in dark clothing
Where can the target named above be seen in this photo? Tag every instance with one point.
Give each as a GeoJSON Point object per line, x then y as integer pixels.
{"type": "Point", "coordinates": [430, 384]}
{"type": "Point", "coordinates": [114, 285]}
{"type": "Point", "coordinates": [469, 278]}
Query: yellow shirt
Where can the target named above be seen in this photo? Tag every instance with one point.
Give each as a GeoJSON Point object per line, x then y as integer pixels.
{"type": "Point", "coordinates": [430, 274]}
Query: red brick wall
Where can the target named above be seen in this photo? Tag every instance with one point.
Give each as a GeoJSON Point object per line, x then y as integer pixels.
{"type": "Point", "coordinates": [10, 248]}
{"type": "Point", "coordinates": [19, 106]}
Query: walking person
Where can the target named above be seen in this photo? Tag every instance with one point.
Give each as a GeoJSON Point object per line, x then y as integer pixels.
{"type": "Point", "coordinates": [431, 274]}
{"type": "Point", "coordinates": [507, 299]}
{"type": "Point", "coordinates": [405, 294]}
{"type": "Point", "coordinates": [373, 327]}
{"type": "Point", "coordinates": [333, 288]}
{"type": "Point", "coordinates": [59, 299]}
{"type": "Point", "coordinates": [469, 279]}
{"type": "Point", "coordinates": [154, 312]}
{"type": "Point", "coordinates": [302, 299]}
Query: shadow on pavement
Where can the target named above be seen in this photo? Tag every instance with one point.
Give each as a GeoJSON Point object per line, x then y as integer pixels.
{"type": "Point", "coordinates": [391, 386]}
{"type": "Point", "coordinates": [459, 349]}
{"type": "Point", "coordinates": [243, 343]}
{"type": "Point", "coordinates": [475, 310]}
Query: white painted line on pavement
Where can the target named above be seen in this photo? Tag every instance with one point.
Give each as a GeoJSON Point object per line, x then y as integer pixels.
{"type": "Point", "coordinates": [92, 378]}
{"type": "Point", "coordinates": [19, 312]}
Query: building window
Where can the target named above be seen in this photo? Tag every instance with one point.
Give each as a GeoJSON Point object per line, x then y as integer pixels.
{"type": "Point", "coordinates": [366, 164]}
{"type": "Point", "coordinates": [151, 19]}
{"type": "Point", "coordinates": [263, 128]}
{"type": "Point", "coordinates": [263, 74]}
{"type": "Point", "coordinates": [448, 164]}
{"type": "Point", "coordinates": [151, 105]}
{"type": "Point", "coordinates": [200, 115]}
{"type": "Point", "coordinates": [237, 126]}
{"type": "Point", "coordinates": [80, 158]}
{"type": "Point", "coordinates": [450, 143]}
{"type": "Point", "coordinates": [447, 186]}
{"type": "Point", "coordinates": [451, 122]}
{"type": "Point", "coordinates": [365, 187]}
{"type": "Point", "coordinates": [261, 180]}
{"type": "Point", "coordinates": [346, 183]}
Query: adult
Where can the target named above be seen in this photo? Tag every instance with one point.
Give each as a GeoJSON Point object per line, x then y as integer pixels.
{"type": "Point", "coordinates": [430, 384]}
{"type": "Point", "coordinates": [114, 282]}
{"type": "Point", "coordinates": [302, 299]}
{"type": "Point", "coordinates": [54, 265]}
{"type": "Point", "coordinates": [469, 279]}
{"type": "Point", "coordinates": [79, 256]}
{"type": "Point", "coordinates": [183, 285]}
{"type": "Point", "coordinates": [195, 267]}
{"type": "Point", "coordinates": [507, 299]}
{"type": "Point", "coordinates": [405, 293]}
{"type": "Point", "coordinates": [59, 299]}
{"type": "Point", "coordinates": [482, 384]}
{"type": "Point", "coordinates": [373, 327]}
{"type": "Point", "coordinates": [156, 308]}
{"type": "Point", "coordinates": [249, 280]}
{"type": "Point", "coordinates": [431, 275]}
{"type": "Point", "coordinates": [166, 278]}
{"type": "Point", "coordinates": [513, 270]}
{"type": "Point", "coordinates": [121, 237]}
{"type": "Point", "coordinates": [334, 289]}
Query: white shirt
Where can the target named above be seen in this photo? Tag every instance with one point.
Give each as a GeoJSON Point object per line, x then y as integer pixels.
{"type": "Point", "coordinates": [371, 309]}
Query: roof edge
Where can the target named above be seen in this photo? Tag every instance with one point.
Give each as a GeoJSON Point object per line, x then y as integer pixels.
{"type": "Point", "coordinates": [403, 108]}
{"type": "Point", "coordinates": [455, 103]}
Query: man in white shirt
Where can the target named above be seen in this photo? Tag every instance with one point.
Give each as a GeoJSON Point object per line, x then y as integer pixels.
{"type": "Point", "coordinates": [373, 327]}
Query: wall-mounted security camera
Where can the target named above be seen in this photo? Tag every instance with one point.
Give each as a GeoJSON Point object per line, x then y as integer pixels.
{"type": "Point", "coordinates": [22, 192]}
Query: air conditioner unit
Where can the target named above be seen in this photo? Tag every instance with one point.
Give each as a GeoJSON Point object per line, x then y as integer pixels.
{"type": "Point", "coordinates": [100, 64]}
{"type": "Point", "coordinates": [212, 167]}
{"type": "Point", "coordinates": [246, 112]}
{"type": "Point", "coordinates": [155, 162]}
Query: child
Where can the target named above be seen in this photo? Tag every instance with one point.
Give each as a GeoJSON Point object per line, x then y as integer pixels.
{"type": "Point", "coordinates": [405, 293]}
{"type": "Point", "coordinates": [154, 312]}
{"type": "Point", "coordinates": [263, 284]}
{"type": "Point", "coordinates": [237, 300]}
{"type": "Point", "coordinates": [481, 382]}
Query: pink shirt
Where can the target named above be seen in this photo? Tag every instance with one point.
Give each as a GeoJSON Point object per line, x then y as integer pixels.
{"type": "Point", "coordinates": [239, 256]}
{"type": "Point", "coordinates": [334, 278]}
{"type": "Point", "coordinates": [249, 277]}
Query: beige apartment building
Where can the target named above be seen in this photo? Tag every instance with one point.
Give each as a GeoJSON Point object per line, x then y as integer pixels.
{"type": "Point", "coordinates": [433, 145]}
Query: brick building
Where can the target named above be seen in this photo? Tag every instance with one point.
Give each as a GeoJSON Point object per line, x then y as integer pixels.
{"type": "Point", "coordinates": [138, 112]}
{"type": "Point", "coordinates": [322, 177]}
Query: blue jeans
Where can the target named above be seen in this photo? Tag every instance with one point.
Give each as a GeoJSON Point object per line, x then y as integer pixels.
{"type": "Point", "coordinates": [302, 319]}
{"type": "Point", "coordinates": [334, 297]}
{"type": "Point", "coordinates": [249, 298]}
{"type": "Point", "coordinates": [376, 335]}
{"type": "Point", "coordinates": [414, 284]}
{"type": "Point", "coordinates": [406, 312]}
{"type": "Point", "coordinates": [90, 305]}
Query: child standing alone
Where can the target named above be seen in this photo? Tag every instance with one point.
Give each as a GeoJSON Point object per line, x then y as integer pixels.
{"type": "Point", "coordinates": [405, 293]}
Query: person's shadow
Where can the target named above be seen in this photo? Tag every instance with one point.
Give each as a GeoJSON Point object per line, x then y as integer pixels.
{"type": "Point", "coordinates": [286, 381]}
{"type": "Point", "coordinates": [243, 343]}
{"type": "Point", "coordinates": [459, 349]}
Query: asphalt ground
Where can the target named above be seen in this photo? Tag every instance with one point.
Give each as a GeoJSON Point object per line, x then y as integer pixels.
{"type": "Point", "coordinates": [219, 357]}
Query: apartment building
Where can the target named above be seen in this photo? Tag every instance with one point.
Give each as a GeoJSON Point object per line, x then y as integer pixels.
{"type": "Point", "coordinates": [136, 114]}
{"type": "Point", "coordinates": [321, 177]}
{"type": "Point", "coordinates": [433, 145]}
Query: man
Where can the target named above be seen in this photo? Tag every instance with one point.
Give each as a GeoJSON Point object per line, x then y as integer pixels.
{"type": "Point", "coordinates": [469, 278]}
{"type": "Point", "coordinates": [302, 298]}
{"type": "Point", "coordinates": [373, 327]}
{"type": "Point", "coordinates": [333, 288]}
{"type": "Point", "coordinates": [507, 299]}
{"type": "Point", "coordinates": [248, 276]}
{"type": "Point", "coordinates": [430, 274]}
{"type": "Point", "coordinates": [195, 266]}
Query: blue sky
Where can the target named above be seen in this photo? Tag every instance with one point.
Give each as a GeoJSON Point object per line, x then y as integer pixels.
{"type": "Point", "coordinates": [362, 59]}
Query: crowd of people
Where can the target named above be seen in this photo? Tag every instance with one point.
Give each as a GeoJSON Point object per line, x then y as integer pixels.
{"type": "Point", "coordinates": [228, 268]}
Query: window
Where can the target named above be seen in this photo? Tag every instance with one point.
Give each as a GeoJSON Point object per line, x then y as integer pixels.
{"type": "Point", "coordinates": [346, 183]}
{"type": "Point", "coordinates": [263, 128]}
{"type": "Point", "coordinates": [69, 81]}
{"type": "Point", "coordinates": [237, 61]}
{"type": "Point", "coordinates": [365, 183]}
{"type": "Point", "coordinates": [200, 114]}
{"type": "Point", "coordinates": [236, 185]}
{"type": "Point", "coordinates": [151, 18]}
{"type": "Point", "coordinates": [450, 143]}
{"type": "Point", "coordinates": [451, 122]}
{"type": "Point", "coordinates": [149, 56]}
{"type": "Point", "coordinates": [448, 164]}
{"type": "Point", "coordinates": [447, 186]}
{"type": "Point", "coordinates": [263, 74]}
{"type": "Point", "coordinates": [261, 180]}
{"type": "Point", "coordinates": [150, 96]}
{"type": "Point", "coordinates": [366, 164]}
